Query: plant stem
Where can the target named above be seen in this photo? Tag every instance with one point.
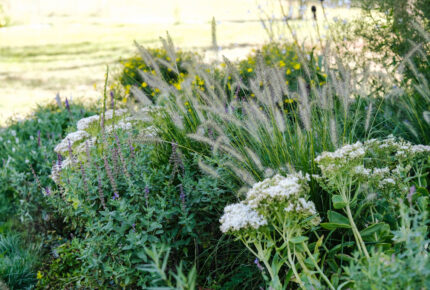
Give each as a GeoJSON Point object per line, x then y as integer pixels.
{"type": "Point", "coordinates": [293, 267]}
{"type": "Point", "coordinates": [318, 267]}
{"type": "Point", "coordinates": [357, 235]}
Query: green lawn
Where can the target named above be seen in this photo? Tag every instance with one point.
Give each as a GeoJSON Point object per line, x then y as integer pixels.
{"type": "Point", "coordinates": [68, 53]}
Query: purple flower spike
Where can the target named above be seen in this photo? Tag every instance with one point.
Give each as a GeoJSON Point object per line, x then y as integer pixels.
{"type": "Point", "coordinates": [47, 191]}
{"type": "Point", "coordinates": [38, 138]}
{"type": "Point", "coordinates": [182, 196]}
{"type": "Point", "coordinates": [67, 105]}
{"type": "Point", "coordinates": [146, 195]}
{"type": "Point", "coordinates": [412, 191]}
{"type": "Point", "coordinates": [112, 100]}
{"type": "Point", "coordinates": [257, 262]}
{"type": "Point", "coordinates": [115, 196]}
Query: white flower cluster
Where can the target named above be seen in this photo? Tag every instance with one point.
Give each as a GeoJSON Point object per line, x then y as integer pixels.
{"type": "Point", "coordinates": [347, 152]}
{"type": "Point", "coordinates": [121, 125]}
{"type": "Point", "coordinates": [109, 114]}
{"type": "Point", "coordinates": [401, 148]}
{"type": "Point", "coordinates": [58, 166]}
{"type": "Point", "coordinates": [302, 206]}
{"type": "Point", "coordinates": [83, 146]}
{"type": "Point", "coordinates": [85, 123]}
{"type": "Point", "coordinates": [277, 188]}
{"type": "Point", "coordinates": [287, 194]}
{"type": "Point", "coordinates": [381, 163]}
{"type": "Point", "coordinates": [240, 216]}
{"type": "Point", "coordinates": [71, 138]}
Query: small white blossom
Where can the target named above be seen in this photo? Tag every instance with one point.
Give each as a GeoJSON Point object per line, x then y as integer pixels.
{"type": "Point", "coordinates": [110, 113]}
{"type": "Point", "coordinates": [83, 146]}
{"type": "Point", "coordinates": [73, 137]}
{"type": "Point", "coordinates": [420, 149]}
{"type": "Point", "coordinates": [361, 170]}
{"type": "Point", "coordinates": [277, 188]}
{"type": "Point", "coordinates": [85, 123]}
{"type": "Point", "coordinates": [240, 216]}
{"type": "Point", "coordinates": [347, 152]}
{"type": "Point", "coordinates": [121, 125]}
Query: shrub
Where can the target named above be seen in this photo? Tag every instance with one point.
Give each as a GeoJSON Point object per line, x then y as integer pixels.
{"type": "Point", "coordinates": [120, 195]}
{"type": "Point", "coordinates": [26, 152]}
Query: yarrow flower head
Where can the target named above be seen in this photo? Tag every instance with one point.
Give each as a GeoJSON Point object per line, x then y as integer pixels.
{"type": "Point", "coordinates": [85, 123]}
{"type": "Point", "coordinates": [71, 139]}
{"type": "Point", "coordinates": [277, 189]}
{"type": "Point", "coordinates": [348, 155]}
{"type": "Point", "coordinates": [240, 216]}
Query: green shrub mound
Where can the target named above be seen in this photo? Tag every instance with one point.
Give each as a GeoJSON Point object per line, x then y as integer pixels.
{"type": "Point", "coordinates": [285, 170]}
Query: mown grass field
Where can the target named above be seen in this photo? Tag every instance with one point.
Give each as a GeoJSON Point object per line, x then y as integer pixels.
{"type": "Point", "coordinates": [66, 48]}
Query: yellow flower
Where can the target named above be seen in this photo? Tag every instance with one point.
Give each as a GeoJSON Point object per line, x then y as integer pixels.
{"type": "Point", "coordinates": [287, 82]}
{"type": "Point", "coordinates": [95, 86]}
{"type": "Point", "coordinates": [252, 95]}
{"type": "Point", "coordinates": [223, 64]}
{"type": "Point", "coordinates": [157, 90]}
{"type": "Point", "coordinates": [250, 70]}
{"type": "Point", "coordinates": [177, 86]}
{"type": "Point", "coordinates": [39, 275]}
{"type": "Point", "coordinates": [297, 66]}
{"type": "Point", "coordinates": [281, 63]}
{"type": "Point", "coordinates": [153, 72]}
{"type": "Point", "coordinates": [289, 101]}
{"type": "Point", "coordinates": [144, 85]}
{"type": "Point", "coordinates": [288, 72]}
{"type": "Point", "coordinates": [187, 103]}
{"type": "Point", "coordinates": [324, 75]}
{"type": "Point", "coordinates": [127, 89]}
{"type": "Point", "coordinates": [322, 83]}
{"type": "Point", "coordinates": [124, 100]}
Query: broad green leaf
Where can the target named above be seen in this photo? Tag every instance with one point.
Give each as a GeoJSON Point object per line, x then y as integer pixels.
{"type": "Point", "coordinates": [333, 226]}
{"type": "Point", "coordinates": [338, 218]}
{"type": "Point", "coordinates": [299, 240]}
{"type": "Point", "coordinates": [338, 202]}
{"type": "Point", "coordinates": [375, 228]}
{"type": "Point", "coordinates": [345, 257]}
{"type": "Point", "coordinates": [422, 191]}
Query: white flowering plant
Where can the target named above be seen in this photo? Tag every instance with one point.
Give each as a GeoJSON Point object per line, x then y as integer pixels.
{"type": "Point", "coordinates": [272, 223]}
{"type": "Point", "coordinates": [93, 131]}
{"type": "Point", "coordinates": [369, 178]}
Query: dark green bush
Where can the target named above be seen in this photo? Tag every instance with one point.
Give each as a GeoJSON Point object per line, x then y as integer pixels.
{"type": "Point", "coordinates": [127, 197]}
{"type": "Point", "coordinates": [26, 155]}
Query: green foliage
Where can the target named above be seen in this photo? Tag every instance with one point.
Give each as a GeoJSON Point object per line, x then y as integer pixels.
{"type": "Point", "coordinates": [26, 155]}
{"type": "Point", "coordinates": [399, 40]}
{"type": "Point", "coordinates": [18, 262]}
{"type": "Point", "coordinates": [172, 70]}
{"type": "Point", "coordinates": [408, 267]}
{"type": "Point", "coordinates": [158, 268]}
{"type": "Point", "coordinates": [139, 193]}
{"type": "Point", "coordinates": [126, 197]}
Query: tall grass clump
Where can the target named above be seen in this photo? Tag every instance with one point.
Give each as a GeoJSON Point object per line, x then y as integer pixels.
{"type": "Point", "coordinates": [275, 126]}
{"type": "Point", "coordinates": [18, 262]}
{"type": "Point", "coordinates": [307, 153]}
